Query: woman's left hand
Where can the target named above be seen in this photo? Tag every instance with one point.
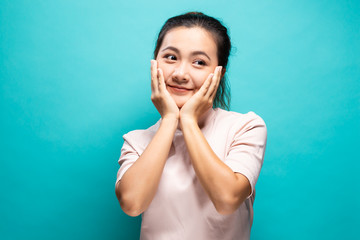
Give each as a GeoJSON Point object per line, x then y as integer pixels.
{"type": "Point", "coordinates": [203, 99]}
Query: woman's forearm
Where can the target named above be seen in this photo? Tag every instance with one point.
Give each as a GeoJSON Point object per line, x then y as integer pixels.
{"type": "Point", "coordinates": [226, 189]}
{"type": "Point", "coordinates": [139, 184]}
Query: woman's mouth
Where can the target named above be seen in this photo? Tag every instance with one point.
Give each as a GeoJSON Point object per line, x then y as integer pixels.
{"type": "Point", "coordinates": [178, 89]}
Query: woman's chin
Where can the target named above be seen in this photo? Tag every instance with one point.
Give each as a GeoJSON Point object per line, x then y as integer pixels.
{"type": "Point", "coordinates": [180, 105]}
{"type": "Point", "coordinates": [180, 102]}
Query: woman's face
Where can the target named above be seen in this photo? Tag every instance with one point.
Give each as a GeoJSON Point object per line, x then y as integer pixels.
{"type": "Point", "coordinates": [187, 56]}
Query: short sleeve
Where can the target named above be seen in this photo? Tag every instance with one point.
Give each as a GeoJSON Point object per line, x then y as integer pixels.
{"type": "Point", "coordinates": [127, 158]}
{"type": "Point", "coordinates": [246, 153]}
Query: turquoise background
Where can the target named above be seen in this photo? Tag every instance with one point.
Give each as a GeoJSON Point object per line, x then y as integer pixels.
{"type": "Point", "coordinates": [74, 77]}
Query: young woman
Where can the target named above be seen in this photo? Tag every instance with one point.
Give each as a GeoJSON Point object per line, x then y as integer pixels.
{"type": "Point", "coordinates": [192, 174]}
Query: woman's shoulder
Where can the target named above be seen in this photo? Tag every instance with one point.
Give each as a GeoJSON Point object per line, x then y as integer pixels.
{"type": "Point", "coordinates": [236, 118]}
{"type": "Point", "coordinates": [238, 125]}
{"type": "Point", "coordinates": [142, 135]}
{"type": "Point", "coordinates": [234, 123]}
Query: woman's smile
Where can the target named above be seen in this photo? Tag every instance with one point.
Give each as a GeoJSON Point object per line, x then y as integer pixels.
{"type": "Point", "coordinates": [179, 90]}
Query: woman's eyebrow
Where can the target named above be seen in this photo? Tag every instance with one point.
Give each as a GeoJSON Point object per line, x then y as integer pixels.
{"type": "Point", "coordinates": [201, 53]}
{"type": "Point", "coordinates": [192, 53]}
{"type": "Point", "coordinates": [171, 48]}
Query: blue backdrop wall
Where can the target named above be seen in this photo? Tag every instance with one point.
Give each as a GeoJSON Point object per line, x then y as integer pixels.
{"type": "Point", "coordinates": [74, 77]}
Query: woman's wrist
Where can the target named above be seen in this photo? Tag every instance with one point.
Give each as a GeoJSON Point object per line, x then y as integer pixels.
{"type": "Point", "coordinates": [186, 122]}
{"type": "Point", "coordinates": [170, 121]}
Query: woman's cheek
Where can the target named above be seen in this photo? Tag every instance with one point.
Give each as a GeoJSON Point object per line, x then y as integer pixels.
{"type": "Point", "coordinates": [200, 79]}
{"type": "Point", "coordinates": [165, 68]}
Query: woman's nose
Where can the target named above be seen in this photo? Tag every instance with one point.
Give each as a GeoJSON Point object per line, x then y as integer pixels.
{"type": "Point", "coordinates": [181, 73]}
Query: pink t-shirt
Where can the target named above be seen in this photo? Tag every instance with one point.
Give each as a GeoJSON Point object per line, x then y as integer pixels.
{"type": "Point", "coordinates": [181, 209]}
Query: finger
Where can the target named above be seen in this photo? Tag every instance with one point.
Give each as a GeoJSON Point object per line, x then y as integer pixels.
{"type": "Point", "coordinates": [162, 86]}
{"type": "Point", "coordinates": [154, 76]}
{"type": "Point", "coordinates": [205, 87]}
{"type": "Point", "coordinates": [215, 83]}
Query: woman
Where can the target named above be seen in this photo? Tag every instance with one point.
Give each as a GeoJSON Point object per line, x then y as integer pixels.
{"type": "Point", "coordinates": [192, 174]}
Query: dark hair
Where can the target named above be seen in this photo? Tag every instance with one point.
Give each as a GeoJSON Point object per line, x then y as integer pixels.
{"type": "Point", "coordinates": [222, 39]}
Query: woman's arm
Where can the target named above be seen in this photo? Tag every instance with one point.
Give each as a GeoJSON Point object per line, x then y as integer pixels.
{"type": "Point", "coordinates": [138, 186]}
{"type": "Point", "coordinates": [226, 189]}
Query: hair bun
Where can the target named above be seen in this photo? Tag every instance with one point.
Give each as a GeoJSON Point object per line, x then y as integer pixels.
{"type": "Point", "coordinates": [194, 13]}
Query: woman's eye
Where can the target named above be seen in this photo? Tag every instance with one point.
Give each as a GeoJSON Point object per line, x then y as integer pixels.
{"type": "Point", "coordinates": [170, 57]}
{"type": "Point", "coordinates": [200, 62]}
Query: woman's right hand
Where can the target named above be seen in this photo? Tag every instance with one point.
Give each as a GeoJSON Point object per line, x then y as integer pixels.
{"type": "Point", "coordinates": [160, 97]}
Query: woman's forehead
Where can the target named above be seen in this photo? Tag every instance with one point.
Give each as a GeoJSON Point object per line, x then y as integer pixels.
{"type": "Point", "coordinates": [190, 39]}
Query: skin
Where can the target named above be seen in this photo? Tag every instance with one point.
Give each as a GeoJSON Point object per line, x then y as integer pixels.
{"type": "Point", "coordinates": [184, 80]}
